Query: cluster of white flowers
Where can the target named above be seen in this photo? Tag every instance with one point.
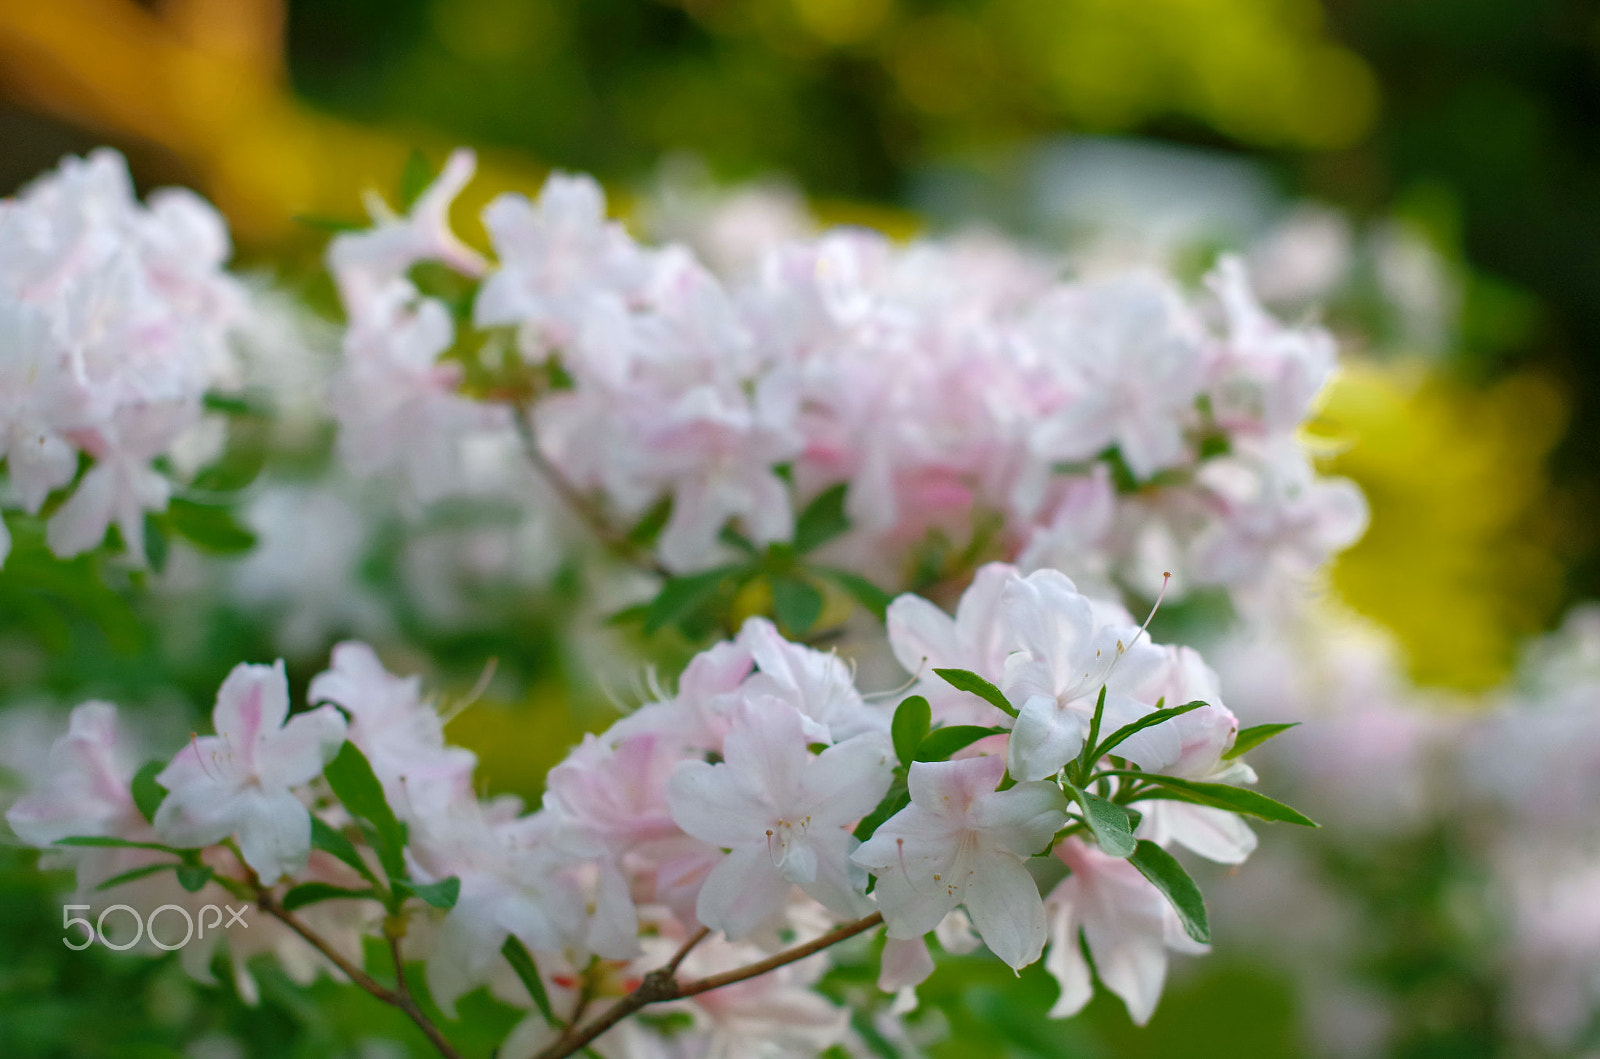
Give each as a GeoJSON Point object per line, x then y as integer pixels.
{"type": "Point", "coordinates": [1115, 428]}
{"type": "Point", "coordinates": [114, 319]}
{"type": "Point", "coordinates": [762, 799]}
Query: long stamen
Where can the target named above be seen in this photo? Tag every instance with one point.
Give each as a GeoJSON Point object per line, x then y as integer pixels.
{"type": "Point", "coordinates": [194, 741]}
{"type": "Point", "coordinates": [478, 688]}
{"type": "Point", "coordinates": [900, 851]}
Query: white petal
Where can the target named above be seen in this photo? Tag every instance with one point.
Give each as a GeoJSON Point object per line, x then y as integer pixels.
{"type": "Point", "coordinates": [906, 962]}
{"type": "Point", "coordinates": [1065, 960]}
{"type": "Point", "coordinates": [1006, 909]}
{"type": "Point", "coordinates": [274, 834]}
{"type": "Point", "coordinates": [710, 804]}
{"type": "Point", "coordinates": [742, 893]}
{"type": "Point", "coordinates": [1044, 738]}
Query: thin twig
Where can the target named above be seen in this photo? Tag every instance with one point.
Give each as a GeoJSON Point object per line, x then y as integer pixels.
{"type": "Point", "coordinates": [661, 985]}
{"type": "Point", "coordinates": [399, 997]}
{"type": "Point", "coordinates": [581, 505]}
{"type": "Point", "coordinates": [685, 949]}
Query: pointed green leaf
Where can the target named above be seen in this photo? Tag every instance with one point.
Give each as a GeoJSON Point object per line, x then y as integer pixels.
{"type": "Point", "coordinates": [866, 594]}
{"type": "Point", "coordinates": [1109, 822]}
{"type": "Point", "coordinates": [966, 680]}
{"type": "Point", "coordinates": [357, 787]}
{"type": "Point", "coordinates": [147, 793]}
{"type": "Point", "coordinates": [109, 842]}
{"type": "Point", "coordinates": [521, 961]}
{"type": "Point", "coordinates": [442, 894]}
{"type": "Point", "coordinates": [1250, 738]}
{"type": "Point", "coordinates": [822, 520]}
{"type": "Point", "coordinates": [312, 892]}
{"type": "Point", "coordinates": [137, 873]}
{"type": "Point", "coordinates": [942, 742]}
{"type": "Point", "coordinates": [680, 596]}
{"type": "Point", "coordinates": [1235, 799]}
{"type": "Point", "coordinates": [1149, 720]}
{"type": "Point", "coordinates": [328, 840]}
{"type": "Point", "coordinates": [193, 877]}
{"type": "Point", "coordinates": [1168, 876]}
{"type": "Point", "coordinates": [797, 604]}
{"type": "Point", "coordinates": [909, 727]}
{"type": "Point", "coordinates": [209, 528]}
{"type": "Point", "coordinates": [897, 799]}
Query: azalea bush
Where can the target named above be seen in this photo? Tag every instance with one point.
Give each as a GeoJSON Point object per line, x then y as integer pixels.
{"type": "Point", "coordinates": [773, 481]}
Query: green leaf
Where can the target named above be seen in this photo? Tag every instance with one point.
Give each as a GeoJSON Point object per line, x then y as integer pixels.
{"type": "Point", "coordinates": [147, 793]}
{"type": "Point", "coordinates": [1109, 822]}
{"type": "Point", "coordinates": [649, 527]}
{"type": "Point", "coordinates": [966, 680]}
{"type": "Point", "coordinates": [137, 873]}
{"type": "Point", "coordinates": [1168, 876]}
{"type": "Point", "coordinates": [1080, 769]}
{"type": "Point", "coordinates": [231, 403]}
{"type": "Point", "coordinates": [909, 727]}
{"type": "Point", "coordinates": [312, 892]}
{"type": "Point", "coordinates": [1149, 720]}
{"type": "Point", "coordinates": [680, 596]}
{"type": "Point", "coordinates": [155, 543]}
{"type": "Point", "coordinates": [442, 894]}
{"type": "Point", "coordinates": [328, 840]}
{"type": "Point", "coordinates": [738, 541]}
{"type": "Point", "coordinates": [796, 603]}
{"type": "Point", "coordinates": [942, 742]}
{"type": "Point", "coordinates": [211, 529]}
{"type": "Point", "coordinates": [521, 961]}
{"type": "Point", "coordinates": [414, 179]}
{"type": "Point", "coordinates": [868, 595]}
{"type": "Point", "coordinates": [1235, 799]}
{"type": "Point", "coordinates": [822, 520]}
{"type": "Point", "coordinates": [1250, 738]}
{"type": "Point", "coordinates": [193, 877]}
{"type": "Point", "coordinates": [357, 787]}
{"type": "Point", "coordinates": [108, 842]}
{"type": "Point", "coordinates": [897, 799]}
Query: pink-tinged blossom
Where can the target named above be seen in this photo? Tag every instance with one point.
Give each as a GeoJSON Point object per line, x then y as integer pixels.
{"type": "Point", "coordinates": [364, 263]}
{"type": "Point", "coordinates": [556, 254]}
{"type": "Point", "coordinates": [116, 318]}
{"type": "Point", "coordinates": [121, 486]}
{"type": "Point", "coordinates": [397, 405]}
{"type": "Point", "coordinates": [1266, 375]}
{"type": "Point", "coordinates": [1133, 354]}
{"type": "Point", "coordinates": [400, 734]}
{"type": "Point", "coordinates": [819, 684]}
{"type": "Point", "coordinates": [84, 791]}
{"type": "Point", "coordinates": [39, 401]}
{"type": "Point", "coordinates": [240, 782]}
{"type": "Point", "coordinates": [783, 814]}
{"type": "Point", "coordinates": [1066, 653]}
{"type": "Point", "coordinates": [714, 449]}
{"type": "Point", "coordinates": [1127, 924]}
{"type": "Point", "coordinates": [1275, 513]}
{"type": "Point", "coordinates": [520, 876]}
{"type": "Point", "coordinates": [961, 842]}
{"type": "Point", "coordinates": [925, 638]}
{"type": "Point", "coordinates": [1191, 746]}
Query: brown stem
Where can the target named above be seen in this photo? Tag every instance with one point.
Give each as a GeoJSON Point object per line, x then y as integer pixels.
{"type": "Point", "coordinates": [399, 997]}
{"type": "Point", "coordinates": [581, 505]}
{"type": "Point", "coordinates": [662, 985]}
{"type": "Point", "coordinates": [685, 949]}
